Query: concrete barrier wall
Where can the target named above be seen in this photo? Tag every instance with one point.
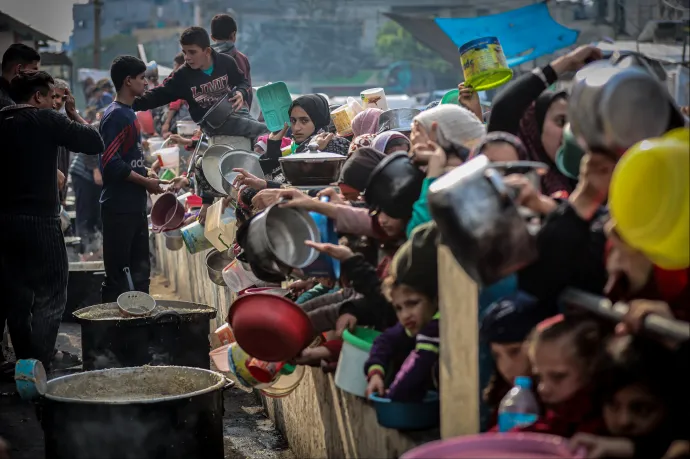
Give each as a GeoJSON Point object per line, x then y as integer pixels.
{"type": "Point", "coordinates": [318, 419]}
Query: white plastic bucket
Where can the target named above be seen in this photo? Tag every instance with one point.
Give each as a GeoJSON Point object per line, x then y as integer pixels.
{"type": "Point", "coordinates": [169, 157]}
{"type": "Point", "coordinates": [349, 375]}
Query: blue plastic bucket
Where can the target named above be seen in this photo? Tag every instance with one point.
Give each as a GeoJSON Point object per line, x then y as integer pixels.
{"type": "Point", "coordinates": [30, 378]}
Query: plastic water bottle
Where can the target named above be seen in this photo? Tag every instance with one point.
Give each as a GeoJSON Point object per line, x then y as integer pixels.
{"type": "Point", "coordinates": [519, 408]}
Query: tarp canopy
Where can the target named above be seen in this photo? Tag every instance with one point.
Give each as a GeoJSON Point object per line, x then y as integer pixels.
{"type": "Point", "coordinates": [524, 33]}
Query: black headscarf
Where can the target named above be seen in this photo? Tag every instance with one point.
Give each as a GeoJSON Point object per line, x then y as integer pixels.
{"type": "Point", "coordinates": [316, 107]}
{"type": "Point", "coordinates": [356, 170]}
{"type": "Point", "coordinates": [542, 104]}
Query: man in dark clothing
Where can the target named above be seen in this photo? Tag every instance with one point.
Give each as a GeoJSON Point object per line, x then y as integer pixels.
{"type": "Point", "coordinates": [17, 58]}
{"type": "Point", "coordinates": [125, 183]}
{"type": "Point", "coordinates": [224, 33]}
{"type": "Point", "coordinates": [205, 77]}
{"type": "Point", "coordinates": [33, 267]}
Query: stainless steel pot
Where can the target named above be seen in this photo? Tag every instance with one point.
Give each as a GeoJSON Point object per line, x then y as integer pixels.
{"type": "Point", "coordinates": [215, 263]}
{"type": "Point", "coordinates": [397, 119]}
{"type": "Point", "coordinates": [611, 108]}
{"type": "Point", "coordinates": [276, 236]}
{"type": "Point", "coordinates": [480, 223]}
{"type": "Point", "coordinates": [238, 159]}
{"type": "Point", "coordinates": [312, 168]}
{"type": "Point", "coordinates": [173, 240]}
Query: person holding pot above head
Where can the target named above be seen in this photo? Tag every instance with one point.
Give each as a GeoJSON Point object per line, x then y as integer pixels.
{"type": "Point", "coordinates": [125, 184]}
{"type": "Point", "coordinates": [538, 117]}
{"type": "Point", "coordinates": [309, 120]}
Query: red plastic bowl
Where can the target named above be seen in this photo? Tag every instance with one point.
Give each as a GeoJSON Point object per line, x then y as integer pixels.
{"type": "Point", "coordinates": [270, 327]}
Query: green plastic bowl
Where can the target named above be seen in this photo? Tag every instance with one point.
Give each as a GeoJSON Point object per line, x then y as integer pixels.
{"type": "Point", "coordinates": [451, 97]}
{"type": "Point", "coordinates": [362, 338]}
{"type": "Point", "coordinates": [569, 155]}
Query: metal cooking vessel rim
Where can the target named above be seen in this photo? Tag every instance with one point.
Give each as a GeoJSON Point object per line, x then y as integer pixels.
{"type": "Point", "coordinates": [218, 385]}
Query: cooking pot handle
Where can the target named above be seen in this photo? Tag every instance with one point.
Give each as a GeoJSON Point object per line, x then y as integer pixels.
{"type": "Point", "coordinates": [495, 179]}
{"type": "Point", "coordinates": [229, 383]}
{"type": "Point", "coordinates": [174, 315]}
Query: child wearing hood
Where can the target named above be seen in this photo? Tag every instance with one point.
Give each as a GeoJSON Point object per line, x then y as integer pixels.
{"type": "Point", "coordinates": [412, 289]}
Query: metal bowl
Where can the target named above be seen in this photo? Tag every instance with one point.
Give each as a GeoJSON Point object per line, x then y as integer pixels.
{"type": "Point", "coordinates": [215, 263]}
{"type": "Point", "coordinates": [238, 159]}
{"type": "Point", "coordinates": [173, 240]}
{"type": "Point", "coordinates": [397, 119]}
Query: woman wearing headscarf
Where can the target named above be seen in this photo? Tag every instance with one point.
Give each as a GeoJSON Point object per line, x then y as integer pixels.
{"type": "Point", "coordinates": [391, 142]}
{"type": "Point", "coordinates": [537, 116]}
{"type": "Point", "coordinates": [309, 120]}
{"type": "Point", "coordinates": [354, 175]}
{"type": "Point", "coordinates": [366, 122]}
{"type": "Point", "coordinates": [362, 141]}
{"type": "Point", "coordinates": [441, 137]}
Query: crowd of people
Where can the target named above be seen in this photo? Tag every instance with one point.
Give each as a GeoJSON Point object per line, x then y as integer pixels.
{"type": "Point", "coordinates": [613, 390]}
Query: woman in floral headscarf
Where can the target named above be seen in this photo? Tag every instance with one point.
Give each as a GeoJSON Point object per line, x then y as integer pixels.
{"type": "Point", "coordinates": [366, 122]}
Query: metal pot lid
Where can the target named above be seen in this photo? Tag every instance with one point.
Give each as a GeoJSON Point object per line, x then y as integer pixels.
{"type": "Point", "coordinates": [317, 155]}
{"type": "Point", "coordinates": [210, 166]}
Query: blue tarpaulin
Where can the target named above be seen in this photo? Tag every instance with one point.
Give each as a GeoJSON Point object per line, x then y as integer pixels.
{"type": "Point", "coordinates": [525, 33]}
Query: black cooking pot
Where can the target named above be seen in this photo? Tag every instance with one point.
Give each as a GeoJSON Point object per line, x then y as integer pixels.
{"type": "Point", "coordinates": [175, 334]}
{"type": "Point", "coordinates": [100, 415]}
{"type": "Point", "coordinates": [480, 223]}
{"type": "Point", "coordinates": [394, 186]}
{"type": "Point", "coordinates": [83, 286]}
{"type": "Point", "coordinates": [216, 116]}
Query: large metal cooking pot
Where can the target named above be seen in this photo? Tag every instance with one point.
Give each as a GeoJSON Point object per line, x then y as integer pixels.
{"type": "Point", "coordinates": [480, 223]}
{"type": "Point", "coordinates": [174, 412]}
{"type": "Point", "coordinates": [611, 108]}
{"type": "Point", "coordinates": [397, 119]}
{"type": "Point", "coordinates": [394, 186]}
{"type": "Point", "coordinates": [215, 263]}
{"type": "Point", "coordinates": [312, 168]}
{"type": "Point", "coordinates": [216, 116]}
{"type": "Point", "coordinates": [238, 159]}
{"type": "Point", "coordinates": [175, 334]}
{"type": "Point", "coordinates": [276, 236]}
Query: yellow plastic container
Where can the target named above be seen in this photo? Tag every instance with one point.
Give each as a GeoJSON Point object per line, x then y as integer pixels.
{"type": "Point", "coordinates": [649, 199]}
{"type": "Point", "coordinates": [484, 64]}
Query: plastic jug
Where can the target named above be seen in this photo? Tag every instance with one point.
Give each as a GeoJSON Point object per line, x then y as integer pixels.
{"type": "Point", "coordinates": [649, 198]}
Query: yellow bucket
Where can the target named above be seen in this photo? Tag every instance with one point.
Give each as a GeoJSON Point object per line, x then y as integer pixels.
{"type": "Point", "coordinates": [649, 199]}
{"type": "Point", "coordinates": [342, 119]}
{"type": "Point", "coordinates": [484, 64]}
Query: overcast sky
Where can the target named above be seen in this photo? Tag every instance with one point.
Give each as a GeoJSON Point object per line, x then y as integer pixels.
{"type": "Point", "coordinates": [52, 17]}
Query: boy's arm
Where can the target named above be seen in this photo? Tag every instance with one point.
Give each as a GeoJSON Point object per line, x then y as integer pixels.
{"type": "Point", "coordinates": [238, 80]}
{"type": "Point", "coordinates": [157, 97]}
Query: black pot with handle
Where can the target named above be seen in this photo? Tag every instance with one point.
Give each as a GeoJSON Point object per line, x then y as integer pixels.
{"type": "Point", "coordinates": [394, 186]}
{"type": "Point", "coordinates": [176, 333]}
{"type": "Point", "coordinates": [215, 118]}
{"type": "Point", "coordinates": [480, 223]}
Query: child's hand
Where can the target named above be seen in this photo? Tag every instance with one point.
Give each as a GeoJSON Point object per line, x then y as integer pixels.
{"type": "Point", "coordinates": [313, 356]}
{"type": "Point", "coordinates": [599, 447]}
{"type": "Point", "coordinates": [345, 322]}
{"type": "Point", "coordinates": [376, 386]}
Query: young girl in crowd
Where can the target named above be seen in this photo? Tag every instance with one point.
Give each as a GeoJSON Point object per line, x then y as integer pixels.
{"type": "Point", "coordinates": [566, 358]}
{"type": "Point", "coordinates": [412, 289]}
{"type": "Point", "coordinates": [505, 326]}
{"type": "Point", "coordinates": [639, 389]}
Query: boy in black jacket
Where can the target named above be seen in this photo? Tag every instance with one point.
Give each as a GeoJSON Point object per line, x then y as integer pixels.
{"type": "Point", "coordinates": [205, 77]}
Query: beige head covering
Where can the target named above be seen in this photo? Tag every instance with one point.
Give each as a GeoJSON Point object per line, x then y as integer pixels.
{"type": "Point", "coordinates": [457, 126]}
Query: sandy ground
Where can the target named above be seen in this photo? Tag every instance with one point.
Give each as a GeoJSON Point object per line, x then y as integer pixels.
{"type": "Point", "coordinates": [248, 433]}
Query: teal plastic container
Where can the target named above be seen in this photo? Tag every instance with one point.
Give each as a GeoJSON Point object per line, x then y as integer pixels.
{"type": "Point", "coordinates": [275, 100]}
